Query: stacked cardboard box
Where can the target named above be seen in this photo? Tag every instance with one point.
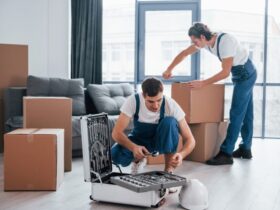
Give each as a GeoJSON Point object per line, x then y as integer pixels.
{"type": "Point", "coordinates": [204, 108]}
{"type": "Point", "coordinates": [209, 137]}
{"type": "Point", "coordinates": [51, 112]}
{"type": "Point", "coordinates": [2, 122]}
{"type": "Point", "coordinates": [33, 159]}
{"type": "Point", "coordinates": [13, 72]}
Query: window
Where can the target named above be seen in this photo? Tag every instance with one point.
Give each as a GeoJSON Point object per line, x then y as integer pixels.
{"type": "Point", "coordinates": [239, 21]}
{"type": "Point", "coordinates": [116, 52]}
{"type": "Point", "coordinates": [163, 33]}
{"type": "Point", "coordinates": [272, 111]}
{"type": "Point", "coordinates": [258, 107]}
{"type": "Point", "coordinates": [118, 40]}
{"type": "Point", "coordinates": [169, 50]}
{"type": "Point", "coordinates": [273, 42]}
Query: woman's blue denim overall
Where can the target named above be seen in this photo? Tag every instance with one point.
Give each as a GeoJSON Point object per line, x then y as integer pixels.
{"type": "Point", "coordinates": [241, 112]}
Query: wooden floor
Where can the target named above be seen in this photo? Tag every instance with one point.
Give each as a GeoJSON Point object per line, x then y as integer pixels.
{"type": "Point", "coordinates": [248, 184]}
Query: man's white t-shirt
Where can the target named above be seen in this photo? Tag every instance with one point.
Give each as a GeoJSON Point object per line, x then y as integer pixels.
{"type": "Point", "coordinates": [229, 46]}
{"type": "Point", "coordinates": [145, 115]}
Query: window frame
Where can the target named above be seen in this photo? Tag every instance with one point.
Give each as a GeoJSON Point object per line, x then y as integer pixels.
{"type": "Point", "coordinates": [141, 8]}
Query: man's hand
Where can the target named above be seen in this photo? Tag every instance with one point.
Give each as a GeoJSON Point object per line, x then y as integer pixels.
{"type": "Point", "coordinates": [139, 152]}
{"type": "Point", "coordinates": [167, 74]}
{"type": "Point", "coordinates": [176, 160]}
{"type": "Point", "coordinates": [196, 84]}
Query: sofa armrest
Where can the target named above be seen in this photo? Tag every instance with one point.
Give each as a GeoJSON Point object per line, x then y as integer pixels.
{"type": "Point", "coordinates": [13, 102]}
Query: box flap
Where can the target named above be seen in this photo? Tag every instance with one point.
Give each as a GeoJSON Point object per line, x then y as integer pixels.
{"type": "Point", "coordinates": [96, 146]}
{"type": "Point", "coordinates": [49, 131]}
{"type": "Point", "coordinates": [24, 131]}
{"type": "Point", "coordinates": [45, 97]}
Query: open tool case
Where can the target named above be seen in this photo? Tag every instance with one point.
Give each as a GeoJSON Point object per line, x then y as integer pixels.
{"type": "Point", "coordinates": [145, 189]}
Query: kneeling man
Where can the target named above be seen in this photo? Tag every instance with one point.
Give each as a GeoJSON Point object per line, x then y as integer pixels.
{"type": "Point", "coordinates": [158, 121]}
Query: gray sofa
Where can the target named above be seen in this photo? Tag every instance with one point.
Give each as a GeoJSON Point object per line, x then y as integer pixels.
{"type": "Point", "coordinates": [91, 100]}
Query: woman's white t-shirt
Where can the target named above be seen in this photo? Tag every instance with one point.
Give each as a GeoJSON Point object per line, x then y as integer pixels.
{"type": "Point", "coordinates": [145, 115]}
{"type": "Point", "coordinates": [230, 47]}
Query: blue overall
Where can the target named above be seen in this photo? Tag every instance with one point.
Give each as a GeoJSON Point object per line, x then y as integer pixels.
{"type": "Point", "coordinates": [162, 137]}
{"type": "Point", "coordinates": [241, 111]}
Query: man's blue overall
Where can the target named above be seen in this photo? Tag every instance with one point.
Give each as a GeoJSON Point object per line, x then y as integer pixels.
{"type": "Point", "coordinates": [161, 137]}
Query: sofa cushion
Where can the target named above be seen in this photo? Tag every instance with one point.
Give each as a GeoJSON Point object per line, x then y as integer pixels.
{"type": "Point", "coordinates": [72, 88]}
{"type": "Point", "coordinates": [109, 97]}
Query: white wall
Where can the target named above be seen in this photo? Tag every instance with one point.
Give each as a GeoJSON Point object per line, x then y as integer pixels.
{"type": "Point", "coordinates": [43, 25]}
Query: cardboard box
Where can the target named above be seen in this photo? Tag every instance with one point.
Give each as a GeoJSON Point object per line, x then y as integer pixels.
{"type": "Point", "coordinates": [13, 66]}
{"type": "Point", "coordinates": [160, 158]}
{"type": "Point", "coordinates": [33, 159]}
{"type": "Point", "coordinates": [201, 105]}
{"type": "Point", "coordinates": [1, 125]}
{"type": "Point", "coordinates": [51, 112]}
{"type": "Point", "coordinates": [13, 71]}
{"type": "Point", "coordinates": [208, 138]}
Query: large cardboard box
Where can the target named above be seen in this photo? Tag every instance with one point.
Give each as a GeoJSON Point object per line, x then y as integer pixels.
{"type": "Point", "coordinates": [13, 66]}
{"type": "Point", "coordinates": [1, 125]}
{"type": "Point", "coordinates": [13, 72]}
{"type": "Point", "coordinates": [33, 159]}
{"type": "Point", "coordinates": [208, 138]}
{"type": "Point", "coordinates": [51, 112]}
{"type": "Point", "coordinates": [160, 158]}
{"type": "Point", "coordinates": [201, 105]}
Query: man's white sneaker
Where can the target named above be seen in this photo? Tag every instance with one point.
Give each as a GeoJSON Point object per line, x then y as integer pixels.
{"type": "Point", "coordinates": [139, 166]}
{"type": "Point", "coordinates": [172, 189]}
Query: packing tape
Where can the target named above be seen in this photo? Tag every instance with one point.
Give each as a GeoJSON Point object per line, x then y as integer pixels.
{"type": "Point", "coordinates": [30, 137]}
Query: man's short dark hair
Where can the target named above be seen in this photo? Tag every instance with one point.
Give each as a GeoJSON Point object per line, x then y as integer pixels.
{"type": "Point", "coordinates": [199, 29]}
{"type": "Point", "coordinates": [152, 86]}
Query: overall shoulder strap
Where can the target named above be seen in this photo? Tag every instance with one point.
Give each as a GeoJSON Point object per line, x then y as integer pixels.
{"type": "Point", "coordinates": [218, 45]}
{"type": "Point", "coordinates": [162, 109]}
{"type": "Point", "coordinates": [137, 98]}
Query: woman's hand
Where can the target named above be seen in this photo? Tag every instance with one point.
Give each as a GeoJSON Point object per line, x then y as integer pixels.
{"type": "Point", "coordinates": [196, 84]}
{"type": "Point", "coordinates": [167, 74]}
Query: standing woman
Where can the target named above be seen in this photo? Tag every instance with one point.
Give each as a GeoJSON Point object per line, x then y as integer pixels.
{"type": "Point", "coordinates": [235, 60]}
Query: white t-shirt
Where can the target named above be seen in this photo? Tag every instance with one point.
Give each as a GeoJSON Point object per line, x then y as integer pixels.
{"type": "Point", "coordinates": [230, 47]}
{"type": "Point", "coordinates": [145, 115]}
